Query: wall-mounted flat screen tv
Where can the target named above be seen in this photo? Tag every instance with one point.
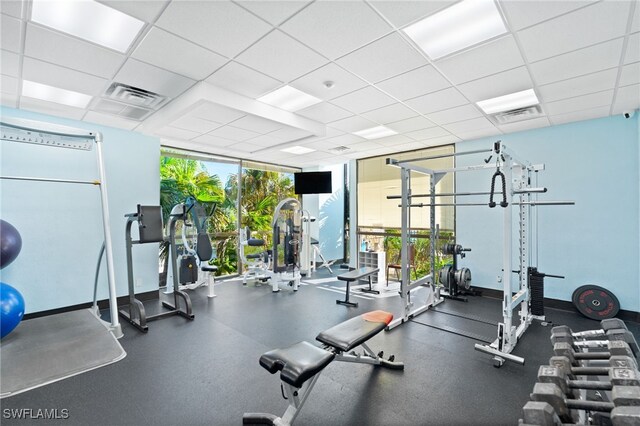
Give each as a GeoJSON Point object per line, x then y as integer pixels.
{"type": "Point", "coordinates": [312, 183]}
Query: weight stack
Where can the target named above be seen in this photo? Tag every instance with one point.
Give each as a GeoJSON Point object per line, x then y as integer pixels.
{"type": "Point", "coordinates": [536, 286]}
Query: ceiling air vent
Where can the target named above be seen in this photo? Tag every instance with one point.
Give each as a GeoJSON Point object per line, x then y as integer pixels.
{"type": "Point", "coordinates": [340, 149]}
{"type": "Point", "coordinates": [134, 96]}
{"type": "Point", "coordinates": [519, 114]}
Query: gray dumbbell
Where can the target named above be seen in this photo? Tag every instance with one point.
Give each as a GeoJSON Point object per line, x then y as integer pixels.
{"type": "Point", "coordinates": [613, 347]}
{"type": "Point", "coordinates": [626, 416]}
{"type": "Point", "coordinates": [616, 361]}
{"type": "Point", "coordinates": [553, 395]}
{"type": "Point", "coordinates": [621, 334]}
{"type": "Point", "coordinates": [561, 377]}
{"type": "Point", "coordinates": [539, 413]}
{"type": "Point", "coordinates": [606, 325]}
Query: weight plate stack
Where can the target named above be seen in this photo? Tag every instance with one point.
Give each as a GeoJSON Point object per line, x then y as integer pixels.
{"type": "Point", "coordinates": [444, 276]}
{"type": "Point", "coordinates": [463, 278]}
{"type": "Point", "coordinates": [595, 302]}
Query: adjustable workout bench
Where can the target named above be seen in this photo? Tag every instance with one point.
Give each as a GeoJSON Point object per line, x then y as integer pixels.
{"type": "Point", "coordinates": [304, 362]}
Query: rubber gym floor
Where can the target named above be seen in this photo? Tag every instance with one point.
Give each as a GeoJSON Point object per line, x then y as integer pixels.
{"type": "Point", "coordinates": [206, 371]}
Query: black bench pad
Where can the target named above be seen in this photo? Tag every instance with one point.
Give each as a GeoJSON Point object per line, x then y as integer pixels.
{"type": "Point", "coordinates": [255, 242]}
{"type": "Point", "coordinates": [208, 268]}
{"type": "Point", "coordinates": [298, 362]}
{"type": "Point", "coordinates": [351, 333]}
{"type": "Point", "coordinates": [356, 274]}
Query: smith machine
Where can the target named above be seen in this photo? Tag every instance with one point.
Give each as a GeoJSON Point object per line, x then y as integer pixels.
{"type": "Point", "coordinates": [518, 198]}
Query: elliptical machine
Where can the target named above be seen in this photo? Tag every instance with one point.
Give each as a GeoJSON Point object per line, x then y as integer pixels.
{"type": "Point", "coordinates": [456, 282]}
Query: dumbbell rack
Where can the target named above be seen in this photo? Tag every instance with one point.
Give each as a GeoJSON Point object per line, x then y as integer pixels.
{"type": "Point", "coordinates": [564, 395]}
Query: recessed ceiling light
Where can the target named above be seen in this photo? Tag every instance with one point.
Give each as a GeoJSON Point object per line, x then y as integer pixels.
{"type": "Point", "coordinates": [289, 98]}
{"type": "Point", "coordinates": [89, 20]}
{"type": "Point", "coordinates": [54, 94]}
{"type": "Point", "coordinates": [375, 132]}
{"type": "Point", "coordinates": [298, 150]}
{"type": "Point", "coordinates": [508, 102]}
{"type": "Point", "coordinates": [457, 27]}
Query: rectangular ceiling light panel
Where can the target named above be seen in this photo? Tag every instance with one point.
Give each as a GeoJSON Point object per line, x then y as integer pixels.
{"type": "Point", "coordinates": [457, 27]}
{"type": "Point", "coordinates": [88, 20]}
{"type": "Point", "coordinates": [298, 150]}
{"type": "Point", "coordinates": [289, 98]}
{"type": "Point", "coordinates": [509, 102]}
{"type": "Point", "coordinates": [375, 132]}
{"type": "Point", "coordinates": [54, 94]}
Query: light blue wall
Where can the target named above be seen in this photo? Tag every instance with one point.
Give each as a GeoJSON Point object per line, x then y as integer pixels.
{"type": "Point", "coordinates": [595, 163]}
{"type": "Point", "coordinates": [328, 209]}
{"type": "Point", "coordinates": [61, 225]}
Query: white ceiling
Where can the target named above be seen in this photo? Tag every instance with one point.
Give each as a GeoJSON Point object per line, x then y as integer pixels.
{"type": "Point", "coordinates": [212, 59]}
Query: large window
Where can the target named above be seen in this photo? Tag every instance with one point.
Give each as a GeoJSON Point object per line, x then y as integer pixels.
{"type": "Point", "coordinates": [379, 218]}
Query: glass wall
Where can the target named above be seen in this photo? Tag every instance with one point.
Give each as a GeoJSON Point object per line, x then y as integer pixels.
{"type": "Point", "coordinates": [379, 218]}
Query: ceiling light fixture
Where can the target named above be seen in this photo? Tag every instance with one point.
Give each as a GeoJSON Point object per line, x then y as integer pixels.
{"type": "Point", "coordinates": [289, 98]}
{"type": "Point", "coordinates": [298, 150]}
{"type": "Point", "coordinates": [89, 20]}
{"type": "Point", "coordinates": [375, 132]}
{"type": "Point", "coordinates": [457, 27]}
{"type": "Point", "coordinates": [54, 94]}
{"type": "Point", "coordinates": [509, 102]}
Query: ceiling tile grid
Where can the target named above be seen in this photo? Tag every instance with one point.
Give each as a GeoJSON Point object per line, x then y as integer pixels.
{"type": "Point", "coordinates": [581, 57]}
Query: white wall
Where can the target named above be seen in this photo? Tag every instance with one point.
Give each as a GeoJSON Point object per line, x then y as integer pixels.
{"type": "Point", "coordinates": [61, 225]}
{"type": "Point", "coordinates": [596, 241]}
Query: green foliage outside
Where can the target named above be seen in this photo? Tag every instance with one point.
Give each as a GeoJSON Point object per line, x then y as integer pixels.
{"type": "Point", "coordinates": [261, 192]}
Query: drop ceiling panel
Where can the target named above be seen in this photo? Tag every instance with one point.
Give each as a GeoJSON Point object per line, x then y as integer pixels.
{"type": "Point", "coordinates": [110, 120]}
{"type": "Point", "coordinates": [442, 140]}
{"type": "Point", "coordinates": [578, 103]}
{"type": "Point", "coordinates": [195, 124]}
{"type": "Point", "coordinates": [523, 14]}
{"type": "Point", "coordinates": [344, 140]}
{"type": "Point", "coordinates": [146, 11]}
{"type": "Point", "coordinates": [223, 27]}
{"type": "Point", "coordinates": [289, 133]}
{"type": "Point", "coordinates": [411, 124]}
{"type": "Point", "coordinates": [525, 125]}
{"type": "Point", "coordinates": [437, 101]}
{"type": "Point", "coordinates": [586, 114]}
{"type": "Point", "coordinates": [233, 133]}
{"type": "Point", "coordinates": [590, 83]}
{"type": "Point", "coordinates": [274, 12]}
{"type": "Point", "coordinates": [324, 112]}
{"type": "Point", "coordinates": [630, 74]}
{"type": "Point", "coordinates": [503, 83]}
{"type": "Point", "coordinates": [65, 78]}
{"type": "Point", "coordinates": [281, 57]}
{"type": "Point", "coordinates": [9, 100]}
{"type": "Point", "coordinates": [343, 82]}
{"type": "Point", "coordinates": [243, 80]}
{"type": "Point", "coordinates": [382, 59]}
{"type": "Point", "coordinates": [604, 20]}
{"type": "Point", "coordinates": [11, 33]}
{"type": "Point", "coordinates": [581, 62]}
{"type": "Point", "coordinates": [175, 54]}
{"type": "Point", "coordinates": [216, 113]}
{"type": "Point", "coordinates": [336, 28]}
{"type": "Point", "coordinates": [9, 63]}
{"type": "Point", "coordinates": [257, 124]}
{"type": "Point", "coordinates": [401, 13]}
{"type": "Point", "coordinates": [390, 113]}
{"type": "Point", "coordinates": [51, 108]}
{"type": "Point", "coordinates": [636, 20]}
{"type": "Point", "coordinates": [433, 132]}
{"type": "Point", "coordinates": [479, 133]}
{"type": "Point", "coordinates": [9, 85]}
{"type": "Point", "coordinates": [363, 100]}
{"type": "Point", "coordinates": [490, 58]}
{"type": "Point", "coordinates": [213, 141]}
{"type": "Point", "coordinates": [414, 83]}
{"type": "Point", "coordinates": [154, 79]}
{"type": "Point", "coordinates": [70, 52]}
{"type": "Point", "coordinates": [11, 7]}
{"type": "Point", "coordinates": [245, 147]}
{"type": "Point", "coordinates": [469, 125]}
{"type": "Point", "coordinates": [633, 47]}
{"type": "Point", "coordinates": [393, 140]}
{"type": "Point", "coordinates": [452, 115]}
{"type": "Point", "coordinates": [265, 141]}
{"type": "Point", "coordinates": [176, 133]}
{"type": "Point", "coordinates": [627, 99]}
{"type": "Point", "coordinates": [352, 124]}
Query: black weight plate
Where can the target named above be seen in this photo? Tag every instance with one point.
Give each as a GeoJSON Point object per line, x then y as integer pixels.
{"type": "Point", "coordinates": [595, 302]}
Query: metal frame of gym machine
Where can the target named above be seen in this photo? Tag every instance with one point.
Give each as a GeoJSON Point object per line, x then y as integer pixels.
{"type": "Point", "coordinates": [39, 133]}
{"type": "Point", "coordinates": [517, 182]}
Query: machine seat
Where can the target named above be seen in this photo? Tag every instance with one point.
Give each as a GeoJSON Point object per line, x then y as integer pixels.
{"type": "Point", "coordinates": [297, 363]}
{"type": "Point", "coordinates": [255, 242]}
{"type": "Point", "coordinates": [351, 333]}
{"type": "Point", "coordinates": [208, 268]}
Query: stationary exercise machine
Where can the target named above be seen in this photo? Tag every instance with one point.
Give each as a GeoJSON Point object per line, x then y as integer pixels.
{"type": "Point", "coordinates": [287, 242]}
{"type": "Point", "coordinates": [516, 177]}
{"type": "Point", "coordinates": [150, 230]}
{"type": "Point", "coordinates": [310, 248]}
{"type": "Point", "coordinates": [257, 264]}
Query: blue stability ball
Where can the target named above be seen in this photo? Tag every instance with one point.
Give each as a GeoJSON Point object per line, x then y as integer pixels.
{"type": "Point", "coordinates": [10, 243]}
{"type": "Point", "coordinates": [11, 309]}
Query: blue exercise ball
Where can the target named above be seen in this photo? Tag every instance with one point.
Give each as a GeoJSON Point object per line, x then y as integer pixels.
{"type": "Point", "coordinates": [11, 309]}
{"type": "Point", "coordinates": [10, 243]}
